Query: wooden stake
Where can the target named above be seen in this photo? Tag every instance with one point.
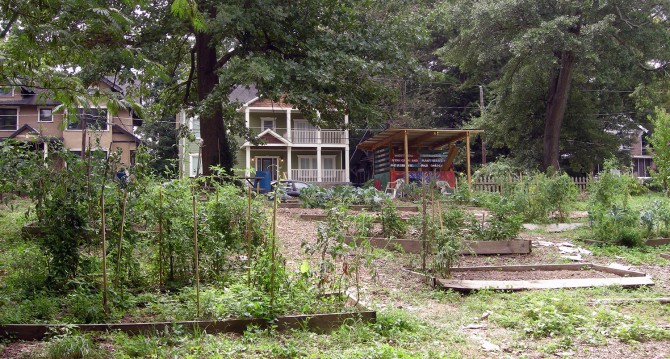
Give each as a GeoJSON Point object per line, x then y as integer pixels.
{"type": "Point", "coordinates": [160, 237]}
{"type": "Point", "coordinates": [424, 235]}
{"type": "Point", "coordinates": [274, 234]}
{"type": "Point", "coordinates": [104, 234]}
{"type": "Point", "coordinates": [467, 159]}
{"type": "Point", "coordinates": [195, 252]}
{"type": "Point", "coordinates": [120, 248]}
{"type": "Point", "coordinates": [248, 235]}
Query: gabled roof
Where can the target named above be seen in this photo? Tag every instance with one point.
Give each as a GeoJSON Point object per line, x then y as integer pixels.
{"type": "Point", "coordinates": [25, 128]}
{"type": "Point", "coordinates": [270, 132]}
{"type": "Point", "coordinates": [116, 128]}
{"type": "Point", "coordinates": [243, 94]}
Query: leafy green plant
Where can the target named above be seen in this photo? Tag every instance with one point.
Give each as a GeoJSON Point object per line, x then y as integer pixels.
{"type": "Point", "coordinates": [392, 224]}
{"type": "Point", "coordinates": [502, 224]}
{"type": "Point", "coordinates": [73, 345]}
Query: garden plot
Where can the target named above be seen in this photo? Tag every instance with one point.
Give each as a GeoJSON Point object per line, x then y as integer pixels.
{"type": "Point", "coordinates": [541, 276]}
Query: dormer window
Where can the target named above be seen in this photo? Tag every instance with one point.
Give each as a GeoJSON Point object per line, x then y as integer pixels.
{"type": "Point", "coordinates": [267, 123]}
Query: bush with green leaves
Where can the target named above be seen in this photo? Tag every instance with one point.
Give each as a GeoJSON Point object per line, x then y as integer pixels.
{"type": "Point", "coordinates": [322, 197]}
{"type": "Point", "coordinates": [661, 151]}
{"type": "Point", "coordinates": [502, 224]}
{"type": "Point", "coordinates": [610, 215]}
{"type": "Point", "coordinates": [392, 224]}
{"type": "Point", "coordinates": [655, 217]}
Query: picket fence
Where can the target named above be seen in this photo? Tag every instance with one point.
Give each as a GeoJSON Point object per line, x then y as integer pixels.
{"type": "Point", "coordinates": [492, 184]}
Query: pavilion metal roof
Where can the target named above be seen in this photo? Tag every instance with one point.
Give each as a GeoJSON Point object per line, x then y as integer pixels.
{"type": "Point", "coordinates": [424, 138]}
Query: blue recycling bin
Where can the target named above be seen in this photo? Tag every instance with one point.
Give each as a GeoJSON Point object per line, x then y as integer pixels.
{"type": "Point", "coordinates": [264, 181]}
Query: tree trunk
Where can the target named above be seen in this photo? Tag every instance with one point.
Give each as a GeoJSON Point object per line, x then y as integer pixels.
{"type": "Point", "coordinates": [556, 106]}
{"type": "Point", "coordinates": [215, 146]}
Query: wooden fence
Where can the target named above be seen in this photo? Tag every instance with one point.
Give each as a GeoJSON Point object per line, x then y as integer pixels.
{"type": "Point", "coordinates": [492, 184]}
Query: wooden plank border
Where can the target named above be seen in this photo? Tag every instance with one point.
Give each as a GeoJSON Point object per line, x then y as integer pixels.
{"type": "Point", "coordinates": [628, 279]}
{"type": "Point", "coordinates": [314, 322]}
{"type": "Point", "coordinates": [654, 242]}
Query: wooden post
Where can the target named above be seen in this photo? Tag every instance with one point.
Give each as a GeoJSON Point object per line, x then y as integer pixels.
{"type": "Point", "coordinates": [406, 159]}
{"type": "Point", "coordinates": [160, 237]}
{"type": "Point", "coordinates": [467, 159]}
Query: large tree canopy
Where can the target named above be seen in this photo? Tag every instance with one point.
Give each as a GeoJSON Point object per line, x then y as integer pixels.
{"type": "Point", "coordinates": [561, 72]}
{"type": "Point", "coordinates": [326, 57]}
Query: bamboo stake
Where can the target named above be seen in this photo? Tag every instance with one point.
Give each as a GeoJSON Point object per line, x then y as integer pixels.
{"type": "Point", "coordinates": [272, 256]}
{"type": "Point", "coordinates": [425, 227]}
{"type": "Point", "coordinates": [160, 236]}
{"type": "Point", "coordinates": [439, 210]}
{"type": "Point", "coordinates": [120, 248]}
{"type": "Point", "coordinates": [104, 239]}
{"type": "Point", "coordinates": [248, 235]}
{"type": "Point", "coordinates": [195, 251]}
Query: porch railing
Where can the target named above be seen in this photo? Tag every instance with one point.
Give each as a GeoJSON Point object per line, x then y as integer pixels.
{"type": "Point", "coordinates": [312, 175]}
{"type": "Point", "coordinates": [308, 136]}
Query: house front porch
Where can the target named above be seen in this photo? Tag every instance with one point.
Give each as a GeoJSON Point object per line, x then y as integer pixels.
{"type": "Point", "coordinates": [312, 165]}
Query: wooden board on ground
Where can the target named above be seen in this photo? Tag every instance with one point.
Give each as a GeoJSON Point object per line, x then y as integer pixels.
{"type": "Point", "coordinates": [627, 279]}
{"type": "Point", "coordinates": [655, 242]}
{"type": "Point", "coordinates": [665, 255]}
{"type": "Point", "coordinates": [315, 322]}
{"type": "Point", "coordinates": [289, 205]}
{"type": "Point", "coordinates": [399, 208]}
{"type": "Point", "coordinates": [521, 246]}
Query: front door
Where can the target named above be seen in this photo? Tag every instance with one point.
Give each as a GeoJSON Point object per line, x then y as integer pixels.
{"type": "Point", "coordinates": [267, 164]}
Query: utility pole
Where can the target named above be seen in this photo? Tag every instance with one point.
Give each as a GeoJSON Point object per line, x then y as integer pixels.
{"type": "Point", "coordinates": [481, 111]}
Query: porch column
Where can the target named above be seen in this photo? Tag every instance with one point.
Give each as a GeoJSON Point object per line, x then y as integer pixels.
{"type": "Point", "coordinates": [289, 135]}
{"type": "Point", "coordinates": [318, 164]}
{"type": "Point", "coordinates": [288, 163]}
{"type": "Point", "coordinates": [346, 164]}
{"type": "Point", "coordinates": [46, 148]}
{"type": "Point", "coordinates": [247, 163]}
{"type": "Point", "coordinates": [246, 116]}
{"type": "Point", "coordinates": [318, 137]}
{"type": "Point", "coordinates": [346, 149]}
{"type": "Point", "coordinates": [406, 146]}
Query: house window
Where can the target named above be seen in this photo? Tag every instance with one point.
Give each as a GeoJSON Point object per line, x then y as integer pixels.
{"type": "Point", "coordinates": [195, 166]}
{"type": "Point", "coordinates": [194, 126]}
{"type": "Point", "coordinates": [9, 119]}
{"type": "Point", "coordinates": [7, 91]}
{"type": "Point", "coordinates": [45, 115]}
{"type": "Point", "coordinates": [268, 123]}
{"type": "Point", "coordinates": [309, 162]}
{"type": "Point", "coordinates": [96, 119]}
{"type": "Point", "coordinates": [133, 158]}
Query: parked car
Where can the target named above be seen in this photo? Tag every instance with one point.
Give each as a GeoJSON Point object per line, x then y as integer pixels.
{"type": "Point", "coordinates": [288, 188]}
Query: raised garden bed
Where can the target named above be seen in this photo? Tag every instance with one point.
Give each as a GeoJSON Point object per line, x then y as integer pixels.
{"type": "Point", "coordinates": [541, 276]}
{"type": "Point", "coordinates": [655, 242]}
{"type": "Point", "coordinates": [521, 246]}
{"type": "Point", "coordinates": [315, 322]}
{"type": "Point", "coordinates": [399, 208]}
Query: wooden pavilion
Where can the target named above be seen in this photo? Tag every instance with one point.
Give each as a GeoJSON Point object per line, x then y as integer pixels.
{"type": "Point", "coordinates": [417, 154]}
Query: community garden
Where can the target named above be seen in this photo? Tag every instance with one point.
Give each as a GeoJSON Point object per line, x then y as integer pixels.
{"type": "Point", "coordinates": [96, 262]}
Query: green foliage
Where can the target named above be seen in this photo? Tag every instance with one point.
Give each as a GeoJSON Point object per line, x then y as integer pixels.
{"type": "Point", "coordinates": [661, 151]}
{"type": "Point", "coordinates": [541, 197]}
{"type": "Point", "coordinates": [503, 223]}
{"type": "Point", "coordinates": [392, 224]}
{"type": "Point", "coordinates": [27, 268]}
{"type": "Point", "coordinates": [84, 306]}
{"type": "Point", "coordinates": [611, 217]}
{"type": "Point", "coordinates": [517, 50]}
{"type": "Point", "coordinates": [73, 345]}
{"type": "Point", "coordinates": [325, 197]}
{"type": "Point", "coordinates": [655, 218]}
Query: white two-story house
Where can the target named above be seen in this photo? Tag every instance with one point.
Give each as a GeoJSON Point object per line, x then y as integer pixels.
{"type": "Point", "coordinates": [292, 148]}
